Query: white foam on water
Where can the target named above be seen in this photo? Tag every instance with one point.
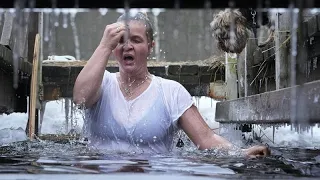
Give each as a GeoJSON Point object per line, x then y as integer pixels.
{"type": "Point", "coordinates": [54, 122]}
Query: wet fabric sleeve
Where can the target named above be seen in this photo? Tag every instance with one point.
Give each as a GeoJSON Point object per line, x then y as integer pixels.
{"type": "Point", "coordinates": [94, 113]}
{"type": "Point", "coordinates": [106, 79]}
{"type": "Point", "coordinates": [179, 101]}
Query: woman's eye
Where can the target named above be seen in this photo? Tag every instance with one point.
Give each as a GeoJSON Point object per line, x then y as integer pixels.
{"type": "Point", "coordinates": [137, 40]}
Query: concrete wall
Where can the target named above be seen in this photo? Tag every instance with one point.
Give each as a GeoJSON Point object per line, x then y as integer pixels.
{"type": "Point", "coordinates": [183, 35]}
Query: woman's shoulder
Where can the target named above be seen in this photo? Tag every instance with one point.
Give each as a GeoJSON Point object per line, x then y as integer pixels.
{"type": "Point", "coordinates": [168, 83]}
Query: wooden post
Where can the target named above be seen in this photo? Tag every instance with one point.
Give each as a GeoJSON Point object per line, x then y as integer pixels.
{"type": "Point", "coordinates": [231, 76]}
{"type": "Point", "coordinates": [34, 89]}
{"type": "Point", "coordinates": [241, 68]}
{"type": "Point", "coordinates": [244, 67]}
{"type": "Point", "coordinates": [281, 26]}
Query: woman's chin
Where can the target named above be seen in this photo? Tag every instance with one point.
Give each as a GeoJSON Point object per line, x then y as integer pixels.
{"type": "Point", "coordinates": [128, 69]}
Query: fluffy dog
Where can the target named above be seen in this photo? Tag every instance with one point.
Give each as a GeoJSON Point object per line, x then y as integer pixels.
{"type": "Point", "coordinates": [231, 28]}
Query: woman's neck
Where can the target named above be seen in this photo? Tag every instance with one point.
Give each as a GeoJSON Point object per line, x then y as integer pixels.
{"type": "Point", "coordinates": [133, 78]}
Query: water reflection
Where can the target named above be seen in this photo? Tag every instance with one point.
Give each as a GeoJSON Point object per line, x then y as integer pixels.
{"type": "Point", "coordinates": [54, 158]}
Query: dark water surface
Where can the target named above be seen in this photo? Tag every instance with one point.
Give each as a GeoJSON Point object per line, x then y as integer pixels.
{"type": "Point", "coordinates": [49, 160]}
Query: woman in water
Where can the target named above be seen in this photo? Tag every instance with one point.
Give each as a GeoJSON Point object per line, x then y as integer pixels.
{"type": "Point", "coordinates": [133, 110]}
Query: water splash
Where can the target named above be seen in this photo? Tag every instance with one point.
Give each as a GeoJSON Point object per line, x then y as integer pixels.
{"type": "Point", "coordinates": [293, 103]}
{"type": "Point", "coordinates": [103, 11]}
{"type": "Point", "coordinates": [156, 13]}
{"type": "Point", "coordinates": [56, 17]}
{"type": "Point", "coordinates": [20, 29]}
{"type": "Point", "coordinates": [75, 33]}
{"type": "Point", "coordinates": [65, 19]}
{"type": "Point", "coordinates": [46, 26]}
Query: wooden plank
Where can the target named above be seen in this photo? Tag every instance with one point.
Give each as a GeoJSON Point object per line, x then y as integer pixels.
{"type": "Point", "coordinates": [273, 107]}
{"type": "Point", "coordinates": [34, 90]}
{"type": "Point", "coordinates": [55, 92]}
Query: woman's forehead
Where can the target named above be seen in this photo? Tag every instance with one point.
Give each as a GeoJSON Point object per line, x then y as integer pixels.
{"type": "Point", "coordinates": [136, 28]}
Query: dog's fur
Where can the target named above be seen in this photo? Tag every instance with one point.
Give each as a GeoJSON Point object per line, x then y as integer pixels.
{"type": "Point", "coordinates": [222, 26]}
{"type": "Point", "coordinates": [240, 20]}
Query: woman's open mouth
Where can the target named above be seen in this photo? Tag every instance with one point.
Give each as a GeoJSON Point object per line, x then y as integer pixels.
{"type": "Point", "coordinates": [128, 57]}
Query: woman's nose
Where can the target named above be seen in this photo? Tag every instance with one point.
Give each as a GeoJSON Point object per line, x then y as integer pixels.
{"type": "Point", "coordinates": [127, 45]}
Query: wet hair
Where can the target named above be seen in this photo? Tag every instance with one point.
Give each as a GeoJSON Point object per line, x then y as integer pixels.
{"type": "Point", "coordinates": [139, 17]}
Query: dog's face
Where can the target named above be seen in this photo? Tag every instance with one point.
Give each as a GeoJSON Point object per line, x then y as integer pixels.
{"type": "Point", "coordinates": [229, 28]}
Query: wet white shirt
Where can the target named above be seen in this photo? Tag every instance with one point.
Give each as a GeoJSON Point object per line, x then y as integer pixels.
{"type": "Point", "coordinates": [145, 124]}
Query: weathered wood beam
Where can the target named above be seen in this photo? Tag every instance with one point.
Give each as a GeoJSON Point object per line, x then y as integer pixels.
{"type": "Point", "coordinates": [56, 92]}
{"type": "Point", "coordinates": [273, 107]}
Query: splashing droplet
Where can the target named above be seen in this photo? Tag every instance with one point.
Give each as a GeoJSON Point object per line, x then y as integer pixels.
{"type": "Point", "coordinates": [103, 11]}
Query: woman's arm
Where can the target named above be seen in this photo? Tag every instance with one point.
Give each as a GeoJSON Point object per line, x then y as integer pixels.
{"type": "Point", "coordinates": [87, 88]}
{"type": "Point", "coordinates": [203, 137]}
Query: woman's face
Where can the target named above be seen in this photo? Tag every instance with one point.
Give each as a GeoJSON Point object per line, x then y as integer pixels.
{"type": "Point", "coordinates": [132, 52]}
